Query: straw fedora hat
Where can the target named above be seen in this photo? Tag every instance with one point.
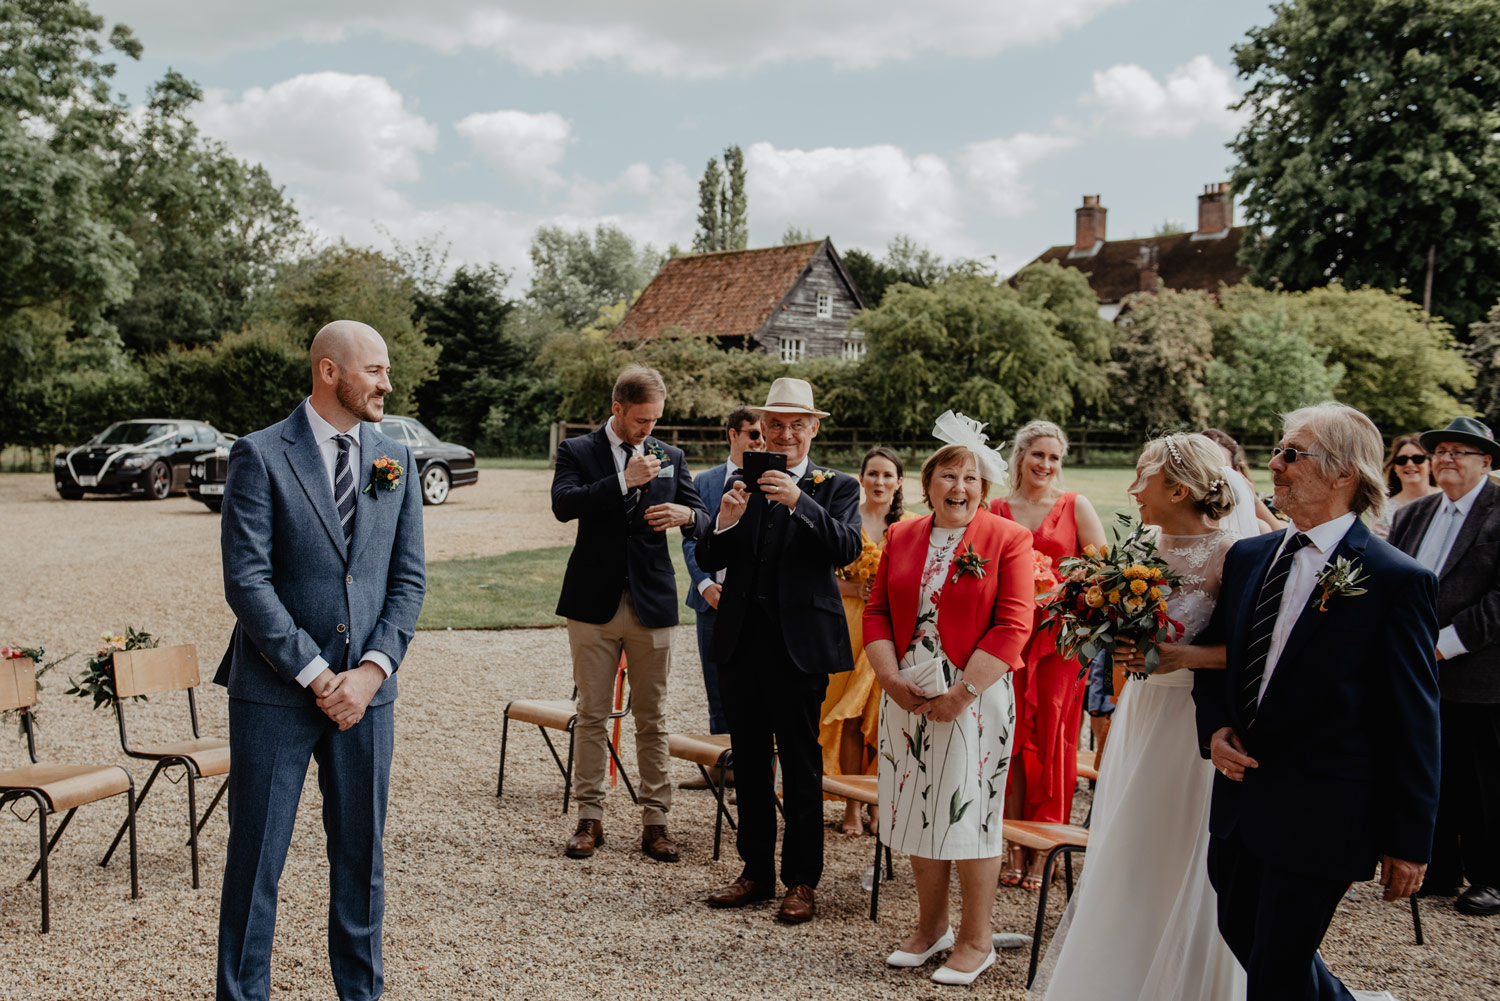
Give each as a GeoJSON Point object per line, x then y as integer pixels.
{"type": "Point", "coordinates": [790, 396]}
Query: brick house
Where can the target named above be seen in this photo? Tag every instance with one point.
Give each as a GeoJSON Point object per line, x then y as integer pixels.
{"type": "Point", "coordinates": [1201, 259]}
{"type": "Point", "coordinates": [795, 302]}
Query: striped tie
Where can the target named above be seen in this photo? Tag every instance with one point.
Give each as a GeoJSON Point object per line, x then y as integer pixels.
{"type": "Point", "coordinates": [1264, 625]}
{"type": "Point", "coordinates": [632, 497]}
{"type": "Point", "coordinates": [343, 487]}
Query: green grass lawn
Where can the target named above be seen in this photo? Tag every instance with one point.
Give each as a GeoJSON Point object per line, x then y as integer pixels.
{"type": "Point", "coordinates": [519, 589]}
{"type": "Point", "coordinates": [490, 462]}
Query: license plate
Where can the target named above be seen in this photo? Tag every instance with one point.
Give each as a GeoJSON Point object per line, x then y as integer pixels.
{"type": "Point", "coordinates": [211, 489]}
{"type": "Point", "coordinates": [88, 481]}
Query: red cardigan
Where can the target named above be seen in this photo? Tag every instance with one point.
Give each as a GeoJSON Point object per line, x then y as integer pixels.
{"type": "Point", "coordinates": [993, 613]}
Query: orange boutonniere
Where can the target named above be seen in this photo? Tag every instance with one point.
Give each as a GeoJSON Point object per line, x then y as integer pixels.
{"type": "Point", "coordinates": [821, 476]}
{"type": "Point", "coordinates": [385, 473]}
{"type": "Point", "coordinates": [968, 562]}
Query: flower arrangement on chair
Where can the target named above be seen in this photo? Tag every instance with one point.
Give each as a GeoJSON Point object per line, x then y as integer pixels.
{"type": "Point", "coordinates": [98, 674]}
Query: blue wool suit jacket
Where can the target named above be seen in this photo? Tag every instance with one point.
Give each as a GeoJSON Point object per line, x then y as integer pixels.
{"type": "Point", "coordinates": [1346, 734]}
{"type": "Point", "coordinates": [295, 590]}
{"type": "Point", "coordinates": [710, 487]}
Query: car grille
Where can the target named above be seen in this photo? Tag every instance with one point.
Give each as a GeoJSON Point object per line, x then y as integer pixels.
{"type": "Point", "coordinates": [215, 470]}
{"type": "Point", "coordinates": [89, 463]}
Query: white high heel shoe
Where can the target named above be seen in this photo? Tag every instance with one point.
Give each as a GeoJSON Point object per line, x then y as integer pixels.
{"type": "Point", "coordinates": [952, 977]}
{"type": "Point", "coordinates": [909, 959]}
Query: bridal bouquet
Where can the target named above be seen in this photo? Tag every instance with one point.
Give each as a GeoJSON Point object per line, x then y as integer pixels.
{"type": "Point", "coordinates": [1046, 579]}
{"type": "Point", "coordinates": [864, 566]}
{"type": "Point", "coordinates": [1114, 595]}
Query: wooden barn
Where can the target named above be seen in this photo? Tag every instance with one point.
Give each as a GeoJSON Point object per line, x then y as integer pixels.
{"type": "Point", "coordinates": [1201, 259]}
{"type": "Point", "coordinates": [795, 302]}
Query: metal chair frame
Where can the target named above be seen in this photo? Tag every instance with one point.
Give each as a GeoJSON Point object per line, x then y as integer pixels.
{"type": "Point", "coordinates": [565, 769]}
{"type": "Point", "coordinates": [164, 762]}
{"type": "Point", "coordinates": [717, 786]}
{"type": "Point", "coordinates": [43, 806]}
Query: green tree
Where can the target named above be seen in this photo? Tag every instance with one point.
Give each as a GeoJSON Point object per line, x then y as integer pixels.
{"type": "Point", "coordinates": [239, 383]}
{"type": "Point", "coordinates": [1266, 366]}
{"type": "Point", "coordinates": [905, 260]}
{"type": "Point", "coordinates": [1484, 356]}
{"type": "Point", "coordinates": [723, 222]}
{"type": "Point", "coordinates": [1162, 358]}
{"type": "Point", "coordinates": [574, 275]}
{"type": "Point", "coordinates": [585, 365]}
{"type": "Point", "coordinates": [710, 234]}
{"type": "Point", "coordinates": [354, 283]}
{"type": "Point", "coordinates": [1371, 154]}
{"type": "Point", "coordinates": [795, 234]}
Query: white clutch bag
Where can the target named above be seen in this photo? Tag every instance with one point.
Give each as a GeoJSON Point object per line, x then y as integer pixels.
{"type": "Point", "coordinates": [927, 675]}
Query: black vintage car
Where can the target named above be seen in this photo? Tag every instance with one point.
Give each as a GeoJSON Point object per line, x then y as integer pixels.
{"type": "Point", "coordinates": [441, 465]}
{"type": "Point", "coordinates": [142, 458]}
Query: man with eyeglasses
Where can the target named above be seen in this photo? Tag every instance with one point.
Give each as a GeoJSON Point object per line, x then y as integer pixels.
{"type": "Point", "coordinates": [745, 435]}
{"type": "Point", "coordinates": [1323, 724]}
{"type": "Point", "coordinates": [1455, 533]}
{"type": "Point", "coordinates": [780, 633]}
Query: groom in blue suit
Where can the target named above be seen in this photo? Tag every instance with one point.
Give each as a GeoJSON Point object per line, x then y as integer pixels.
{"type": "Point", "coordinates": [1324, 723]}
{"type": "Point", "coordinates": [323, 568]}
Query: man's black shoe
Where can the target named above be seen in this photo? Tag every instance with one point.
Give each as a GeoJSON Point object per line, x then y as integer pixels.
{"type": "Point", "coordinates": [1480, 901]}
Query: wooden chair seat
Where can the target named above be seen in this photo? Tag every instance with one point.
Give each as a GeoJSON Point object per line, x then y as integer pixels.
{"type": "Point", "coordinates": [1038, 836]}
{"type": "Point", "coordinates": [1088, 767]}
{"type": "Point", "coordinates": [701, 749]}
{"type": "Point", "coordinates": [68, 786]}
{"type": "Point", "coordinates": [860, 788]}
{"type": "Point", "coordinates": [557, 714]}
{"type": "Point", "coordinates": [209, 754]}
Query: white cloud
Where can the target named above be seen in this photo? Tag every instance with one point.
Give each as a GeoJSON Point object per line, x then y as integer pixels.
{"type": "Point", "coordinates": [330, 131]}
{"type": "Point", "coordinates": [526, 146]}
{"type": "Point", "coordinates": [652, 37]}
{"type": "Point", "coordinates": [993, 168]}
{"type": "Point", "coordinates": [1195, 94]}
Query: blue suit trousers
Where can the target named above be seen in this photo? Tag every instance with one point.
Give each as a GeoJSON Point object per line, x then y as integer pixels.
{"type": "Point", "coordinates": [270, 747]}
{"type": "Point", "coordinates": [717, 722]}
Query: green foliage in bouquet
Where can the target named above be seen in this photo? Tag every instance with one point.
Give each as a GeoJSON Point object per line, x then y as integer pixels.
{"type": "Point", "coordinates": [35, 654]}
{"type": "Point", "coordinates": [99, 673]}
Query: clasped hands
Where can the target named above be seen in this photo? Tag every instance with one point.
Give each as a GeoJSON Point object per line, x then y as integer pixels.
{"type": "Point", "coordinates": [345, 696]}
{"type": "Point", "coordinates": [1399, 877]}
{"type": "Point", "coordinates": [944, 708]}
{"type": "Point", "coordinates": [778, 487]}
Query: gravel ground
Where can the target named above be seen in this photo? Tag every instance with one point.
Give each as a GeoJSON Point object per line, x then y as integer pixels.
{"type": "Point", "coordinates": [480, 901]}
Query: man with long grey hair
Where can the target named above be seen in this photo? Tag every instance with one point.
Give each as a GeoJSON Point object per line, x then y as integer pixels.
{"type": "Point", "coordinates": [1324, 724]}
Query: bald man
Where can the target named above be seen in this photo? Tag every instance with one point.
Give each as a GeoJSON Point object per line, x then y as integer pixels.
{"type": "Point", "coordinates": [323, 568]}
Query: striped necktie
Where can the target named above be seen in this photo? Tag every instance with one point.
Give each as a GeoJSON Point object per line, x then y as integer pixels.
{"type": "Point", "coordinates": [1264, 618]}
{"type": "Point", "coordinates": [633, 496]}
{"type": "Point", "coordinates": [343, 487]}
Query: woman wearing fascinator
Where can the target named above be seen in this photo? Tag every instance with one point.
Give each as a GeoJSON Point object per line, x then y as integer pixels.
{"type": "Point", "coordinates": [1049, 688]}
{"type": "Point", "coordinates": [948, 616]}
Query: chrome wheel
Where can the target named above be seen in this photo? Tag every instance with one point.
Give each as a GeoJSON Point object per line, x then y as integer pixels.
{"type": "Point", "coordinates": [435, 484]}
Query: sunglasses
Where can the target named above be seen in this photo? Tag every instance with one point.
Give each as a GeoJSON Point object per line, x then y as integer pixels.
{"type": "Point", "coordinates": [1416, 460]}
{"type": "Point", "coordinates": [753, 434]}
{"type": "Point", "coordinates": [1291, 455]}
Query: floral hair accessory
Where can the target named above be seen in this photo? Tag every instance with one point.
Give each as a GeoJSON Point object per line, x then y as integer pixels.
{"type": "Point", "coordinates": [968, 562]}
{"type": "Point", "coordinates": [385, 473]}
{"type": "Point", "coordinates": [955, 429]}
{"type": "Point", "coordinates": [1172, 448]}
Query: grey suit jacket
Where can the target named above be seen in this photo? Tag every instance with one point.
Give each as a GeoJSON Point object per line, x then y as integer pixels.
{"type": "Point", "coordinates": [1468, 593]}
{"type": "Point", "coordinates": [294, 589]}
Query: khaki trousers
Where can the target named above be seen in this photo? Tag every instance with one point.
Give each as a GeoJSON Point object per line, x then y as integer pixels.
{"type": "Point", "coordinates": [596, 658]}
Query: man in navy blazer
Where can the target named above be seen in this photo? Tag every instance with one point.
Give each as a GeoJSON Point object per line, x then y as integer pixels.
{"type": "Point", "coordinates": [625, 489]}
{"type": "Point", "coordinates": [323, 567]}
{"type": "Point", "coordinates": [745, 435]}
{"type": "Point", "coordinates": [1324, 723]}
{"type": "Point", "coordinates": [780, 633]}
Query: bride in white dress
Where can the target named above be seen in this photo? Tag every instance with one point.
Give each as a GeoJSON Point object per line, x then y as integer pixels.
{"type": "Point", "coordinates": [1143, 923]}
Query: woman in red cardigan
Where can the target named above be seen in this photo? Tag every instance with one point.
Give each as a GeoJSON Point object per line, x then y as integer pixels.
{"type": "Point", "coordinates": [948, 615]}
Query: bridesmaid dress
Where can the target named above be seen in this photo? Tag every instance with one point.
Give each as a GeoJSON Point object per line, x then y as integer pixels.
{"type": "Point", "coordinates": [1048, 690]}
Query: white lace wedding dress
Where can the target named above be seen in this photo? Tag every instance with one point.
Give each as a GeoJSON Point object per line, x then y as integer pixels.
{"type": "Point", "coordinates": [1142, 925]}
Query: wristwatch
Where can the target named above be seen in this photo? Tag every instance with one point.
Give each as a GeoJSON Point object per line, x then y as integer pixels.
{"type": "Point", "coordinates": [972, 690]}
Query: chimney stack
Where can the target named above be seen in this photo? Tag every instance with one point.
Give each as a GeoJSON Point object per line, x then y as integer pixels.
{"type": "Point", "coordinates": [1146, 260]}
{"type": "Point", "coordinates": [1089, 231]}
{"type": "Point", "coordinates": [1215, 210]}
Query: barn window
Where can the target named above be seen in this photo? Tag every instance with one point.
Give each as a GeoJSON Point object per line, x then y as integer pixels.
{"type": "Point", "coordinates": [854, 350]}
{"type": "Point", "coordinates": [793, 349]}
{"type": "Point", "coordinates": [825, 304]}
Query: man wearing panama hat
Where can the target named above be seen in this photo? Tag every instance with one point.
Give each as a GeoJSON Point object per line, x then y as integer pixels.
{"type": "Point", "coordinates": [1456, 534]}
{"type": "Point", "coordinates": [780, 632]}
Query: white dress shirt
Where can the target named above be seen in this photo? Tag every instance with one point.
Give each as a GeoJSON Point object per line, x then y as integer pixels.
{"type": "Point", "coordinates": [615, 441]}
{"type": "Point", "coordinates": [325, 433]}
{"type": "Point", "coordinates": [796, 473]}
{"type": "Point", "coordinates": [1301, 581]}
{"type": "Point", "coordinates": [1433, 553]}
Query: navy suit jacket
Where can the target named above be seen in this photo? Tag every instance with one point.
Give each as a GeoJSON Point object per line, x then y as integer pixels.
{"type": "Point", "coordinates": [612, 548]}
{"type": "Point", "coordinates": [710, 487]}
{"type": "Point", "coordinates": [823, 533]}
{"type": "Point", "coordinates": [1346, 734]}
{"type": "Point", "coordinates": [295, 591]}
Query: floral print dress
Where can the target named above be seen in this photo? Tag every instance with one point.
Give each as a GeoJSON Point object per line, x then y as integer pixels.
{"type": "Point", "coordinates": [942, 785]}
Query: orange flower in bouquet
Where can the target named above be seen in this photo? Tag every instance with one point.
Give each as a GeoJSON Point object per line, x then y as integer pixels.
{"type": "Point", "coordinates": [1046, 579]}
{"type": "Point", "coordinates": [864, 566]}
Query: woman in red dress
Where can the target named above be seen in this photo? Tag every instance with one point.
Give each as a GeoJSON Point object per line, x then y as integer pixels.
{"type": "Point", "coordinates": [1048, 689]}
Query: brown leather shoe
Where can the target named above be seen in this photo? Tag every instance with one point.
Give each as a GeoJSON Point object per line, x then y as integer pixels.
{"type": "Point", "coordinates": [657, 843]}
{"type": "Point", "coordinates": [590, 835]}
{"type": "Point", "coordinates": [739, 893]}
{"type": "Point", "coordinates": [797, 906]}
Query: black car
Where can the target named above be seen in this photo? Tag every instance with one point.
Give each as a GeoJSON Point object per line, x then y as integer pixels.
{"type": "Point", "coordinates": [441, 465]}
{"type": "Point", "coordinates": [142, 458]}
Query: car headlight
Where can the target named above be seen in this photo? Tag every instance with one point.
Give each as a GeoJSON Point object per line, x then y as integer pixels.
{"type": "Point", "coordinates": [198, 470]}
{"type": "Point", "coordinates": [133, 462]}
{"type": "Point", "coordinates": [59, 462]}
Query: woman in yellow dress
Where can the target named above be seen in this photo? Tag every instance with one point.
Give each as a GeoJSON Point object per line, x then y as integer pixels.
{"type": "Point", "coordinates": [851, 709]}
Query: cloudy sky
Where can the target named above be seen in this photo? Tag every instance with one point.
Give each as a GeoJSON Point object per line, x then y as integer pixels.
{"type": "Point", "coordinates": [973, 126]}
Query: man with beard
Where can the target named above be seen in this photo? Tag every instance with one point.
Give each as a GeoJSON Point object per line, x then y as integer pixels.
{"type": "Point", "coordinates": [324, 570]}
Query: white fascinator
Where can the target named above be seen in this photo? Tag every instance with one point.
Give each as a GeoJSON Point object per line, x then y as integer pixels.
{"type": "Point", "coordinates": [956, 429]}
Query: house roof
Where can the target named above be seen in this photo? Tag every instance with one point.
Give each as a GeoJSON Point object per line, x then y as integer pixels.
{"type": "Point", "coordinates": [1182, 263]}
{"type": "Point", "coordinates": [728, 293]}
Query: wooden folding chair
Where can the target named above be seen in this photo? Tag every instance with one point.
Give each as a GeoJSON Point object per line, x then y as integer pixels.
{"type": "Point", "coordinates": [707, 751]}
{"type": "Point", "coordinates": [863, 789]}
{"type": "Point", "coordinates": [559, 714]}
{"type": "Point", "coordinates": [56, 787]}
{"type": "Point", "coordinates": [1054, 839]}
{"type": "Point", "coordinates": [152, 672]}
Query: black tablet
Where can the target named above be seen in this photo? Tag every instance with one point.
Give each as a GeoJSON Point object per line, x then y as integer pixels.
{"type": "Point", "coordinates": [756, 463]}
